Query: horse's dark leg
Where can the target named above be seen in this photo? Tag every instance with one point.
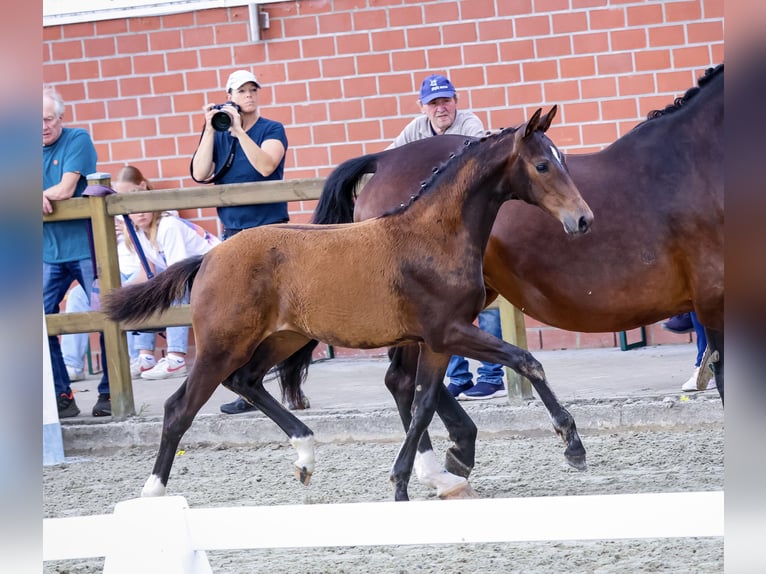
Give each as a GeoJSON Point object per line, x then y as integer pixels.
{"type": "Point", "coordinates": [180, 410]}
{"type": "Point", "coordinates": [248, 383]}
{"type": "Point", "coordinates": [430, 374]}
{"type": "Point", "coordinates": [715, 342]}
{"type": "Point", "coordinates": [400, 381]}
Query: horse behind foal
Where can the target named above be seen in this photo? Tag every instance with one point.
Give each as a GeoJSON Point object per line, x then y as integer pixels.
{"type": "Point", "coordinates": [266, 293]}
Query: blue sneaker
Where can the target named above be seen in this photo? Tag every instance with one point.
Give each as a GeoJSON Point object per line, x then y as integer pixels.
{"type": "Point", "coordinates": [482, 391]}
{"type": "Point", "coordinates": [679, 324]}
{"type": "Point", "coordinates": [455, 390]}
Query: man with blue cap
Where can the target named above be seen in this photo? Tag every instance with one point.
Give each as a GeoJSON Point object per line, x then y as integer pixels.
{"type": "Point", "coordinates": [438, 102]}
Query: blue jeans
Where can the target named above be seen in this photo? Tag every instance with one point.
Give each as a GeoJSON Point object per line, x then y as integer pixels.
{"type": "Point", "coordinates": [177, 337]}
{"type": "Point", "coordinates": [699, 330]}
{"type": "Point", "coordinates": [458, 372]}
{"type": "Point", "coordinates": [57, 278]}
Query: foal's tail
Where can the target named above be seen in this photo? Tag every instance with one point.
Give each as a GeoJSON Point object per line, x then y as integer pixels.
{"type": "Point", "coordinates": [292, 374]}
{"type": "Point", "coordinates": [142, 300]}
{"type": "Point", "coordinates": [336, 204]}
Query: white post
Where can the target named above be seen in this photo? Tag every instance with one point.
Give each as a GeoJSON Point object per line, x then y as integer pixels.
{"type": "Point", "coordinates": [153, 535]}
{"type": "Point", "coordinates": [53, 444]}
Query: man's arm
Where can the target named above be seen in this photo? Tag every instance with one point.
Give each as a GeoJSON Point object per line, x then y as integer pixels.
{"type": "Point", "coordinates": [62, 190]}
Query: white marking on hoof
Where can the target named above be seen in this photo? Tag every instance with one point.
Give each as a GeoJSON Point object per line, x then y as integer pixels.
{"type": "Point", "coordinates": [153, 487]}
{"type": "Point", "coordinates": [459, 491]}
{"type": "Point", "coordinates": [432, 474]}
{"type": "Point", "coordinates": [304, 446]}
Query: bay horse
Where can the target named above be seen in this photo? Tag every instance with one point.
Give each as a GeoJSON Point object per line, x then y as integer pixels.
{"type": "Point", "coordinates": [412, 276]}
{"type": "Point", "coordinates": [657, 249]}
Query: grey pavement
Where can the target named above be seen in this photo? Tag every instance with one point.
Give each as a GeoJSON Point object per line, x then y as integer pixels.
{"type": "Point", "coordinates": [603, 389]}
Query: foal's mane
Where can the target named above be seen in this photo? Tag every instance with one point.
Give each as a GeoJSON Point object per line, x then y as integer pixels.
{"type": "Point", "coordinates": [439, 171]}
{"type": "Point", "coordinates": [681, 101]}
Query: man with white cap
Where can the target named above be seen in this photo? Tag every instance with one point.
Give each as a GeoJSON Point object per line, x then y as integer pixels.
{"type": "Point", "coordinates": [241, 148]}
{"type": "Point", "coordinates": [438, 102]}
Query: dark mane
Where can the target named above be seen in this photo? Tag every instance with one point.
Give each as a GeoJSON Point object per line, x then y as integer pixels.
{"type": "Point", "coordinates": [680, 102]}
{"type": "Point", "coordinates": [437, 172]}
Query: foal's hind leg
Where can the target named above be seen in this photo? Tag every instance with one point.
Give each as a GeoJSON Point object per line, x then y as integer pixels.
{"type": "Point", "coordinates": [248, 383]}
{"type": "Point", "coordinates": [715, 342]}
{"type": "Point", "coordinates": [400, 381]}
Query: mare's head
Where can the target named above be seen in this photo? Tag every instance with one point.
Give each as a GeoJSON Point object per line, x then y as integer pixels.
{"type": "Point", "coordinates": [540, 176]}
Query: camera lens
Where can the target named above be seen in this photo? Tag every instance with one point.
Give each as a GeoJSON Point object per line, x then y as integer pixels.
{"type": "Point", "coordinates": [221, 121]}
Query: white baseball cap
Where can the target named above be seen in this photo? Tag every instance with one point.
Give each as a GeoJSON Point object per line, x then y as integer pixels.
{"type": "Point", "coordinates": [239, 78]}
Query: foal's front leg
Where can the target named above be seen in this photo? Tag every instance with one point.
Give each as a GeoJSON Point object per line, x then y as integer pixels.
{"type": "Point", "coordinates": [430, 373]}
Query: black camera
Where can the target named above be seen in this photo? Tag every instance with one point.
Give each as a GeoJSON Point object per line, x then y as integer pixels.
{"type": "Point", "coordinates": [221, 121]}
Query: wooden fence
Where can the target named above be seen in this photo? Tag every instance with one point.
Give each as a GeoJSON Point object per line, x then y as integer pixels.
{"type": "Point", "coordinates": [101, 211]}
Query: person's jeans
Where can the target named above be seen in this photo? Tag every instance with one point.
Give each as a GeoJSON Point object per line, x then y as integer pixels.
{"type": "Point", "coordinates": [57, 279]}
{"type": "Point", "coordinates": [699, 330]}
{"type": "Point", "coordinates": [458, 371]}
{"type": "Point", "coordinates": [177, 337]}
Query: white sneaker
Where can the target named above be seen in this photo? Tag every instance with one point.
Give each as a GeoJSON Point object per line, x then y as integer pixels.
{"type": "Point", "coordinates": [691, 384]}
{"type": "Point", "coordinates": [141, 364]}
{"type": "Point", "coordinates": [75, 375]}
{"type": "Point", "coordinates": [166, 368]}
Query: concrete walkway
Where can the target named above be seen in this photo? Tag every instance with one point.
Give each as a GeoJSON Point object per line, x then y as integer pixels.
{"type": "Point", "coordinates": [602, 388]}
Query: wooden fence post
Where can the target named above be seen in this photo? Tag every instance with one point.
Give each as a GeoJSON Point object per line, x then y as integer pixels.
{"type": "Point", "coordinates": [515, 333]}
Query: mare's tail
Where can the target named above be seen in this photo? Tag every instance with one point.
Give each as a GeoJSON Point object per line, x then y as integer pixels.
{"type": "Point", "coordinates": [336, 204]}
{"type": "Point", "coordinates": [292, 374]}
{"type": "Point", "coordinates": [142, 300]}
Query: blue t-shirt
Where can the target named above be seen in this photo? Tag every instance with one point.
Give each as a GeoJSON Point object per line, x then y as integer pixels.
{"type": "Point", "coordinates": [242, 171]}
{"type": "Point", "coordinates": [65, 241]}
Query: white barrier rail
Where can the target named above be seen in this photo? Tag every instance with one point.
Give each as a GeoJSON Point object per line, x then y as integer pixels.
{"type": "Point", "coordinates": [164, 534]}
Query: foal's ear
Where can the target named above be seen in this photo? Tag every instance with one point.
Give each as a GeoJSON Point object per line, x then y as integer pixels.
{"type": "Point", "coordinates": [545, 123]}
{"type": "Point", "coordinates": [532, 123]}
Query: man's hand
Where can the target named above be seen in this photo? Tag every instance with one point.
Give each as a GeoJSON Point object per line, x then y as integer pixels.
{"type": "Point", "coordinates": [47, 206]}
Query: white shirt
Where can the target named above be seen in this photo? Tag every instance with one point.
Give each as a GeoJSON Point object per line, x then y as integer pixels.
{"type": "Point", "coordinates": [176, 240]}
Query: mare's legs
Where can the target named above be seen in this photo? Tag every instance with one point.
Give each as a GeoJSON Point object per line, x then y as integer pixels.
{"type": "Point", "coordinates": [400, 381]}
{"type": "Point", "coordinates": [248, 383]}
{"type": "Point", "coordinates": [715, 342]}
{"type": "Point", "coordinates": [470, 341]}
{"type": "Point", "coordinates": [430, 374]}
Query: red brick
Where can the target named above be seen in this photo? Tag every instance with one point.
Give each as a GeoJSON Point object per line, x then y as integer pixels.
{"type": "Point", "coordinates": [596, 340]}
{"type": "Point", "coordinates": [141, 128]}
{"type": "Point", "coordinates": [442, 12]}
{"type": "Point", "coordinates": [539, 71]}
{"type": "Point", "coordinates": [594, 43]}
{"type": "Point", "coordinates": [180, 20]}
{"type": "Point", "coordinates": [644, 14]}
{"type": "Point", "coordinates": [159, 147]}
{"type": "Point", "coordinates": [122, 108]}
{"type": "Point", "coordinates": [483, 53]}
{"type": "Point", "coordinates": [608, 64]}
{"type": "Point", "coordinates": [675, 82]}
{"type": "Point", "coordinates": [610, 19]}
{"type": "Point", "coordinates": [635, 84]}
{"type": "Point", "coordinates": [666, 36]}
{"type": "Point", "coordinates": [174, 167]}
{"type": "Point", "coordinates": [554, 47]}
{"type": "Point", "coordinates": [134, 86]}
{"type": "Point", "coordinates": [54, 73]}
{"type": "Point", "coordinates": [647, 104]}
{"type": "Point", "coordinates": [78, 30]}
{"type": "Point", "coordinates": [156, 105]}
{"type": "Point", "coordinates": [215, 16]}
{"type": "Point", "coordinates": [146, 24]}
{"type": "Point", "coordinates": [163, 40]}
{"type": "Point", "coordinates": [234, 33]}
{"type": "Point", "coordinates": [249, 55]}
{"type": "Point", "coordinates": [52, 33]}
{"type": "Point", "coordinates": [344, 111]}
{"type": "Point", "coordinates": [516, 8]}
{"type": "Point", "coordinates": [704, 32]}
{"type": "Point", "coordinates": [503, 74]}
{"type": "Point", "coordinates": [650, 60]}
{"type": "Point", "coordinates": [286, 50]}
{"type": "Point", "coordinates": [87, 111]}
{"type": "Point", "coordinates": [619, 109]}
{"type": "Point", "coordinates": [334, 23]}
{"type": "Point", "coordinates": [359, 87]}
{"type": "Point", "coordinates": [579, 4]}
{"type": "Point", "coordinates": [569, 23]}
{"type": "Point", "coordinates": [315, 155]}
{"type": "Point", "coordinates": [107, 131]}
{"type": "Point", "coordinates": [717, 53]}
{"type": "Point", "coordinates": [524, 93]}
{"type": "Point", "coordinates": [577, 67]}
{"type": "Point", "coordinates": [406, 61]}
{"type": "Point", "coordinates": [442, 58]}
{"type": "Point", "coordinates": [182, 61]}
{"type": "Point", "coordinates": [310, 114]}
{"type": "Point", "coordinates": [374, 107]}
{"type": "Point", "coordinates": [567, 137]}
{"type": "Point", "coordinates": [120, 66]}
{"type": "Point", "coordinates": [341, 153]}
{"type": "Point", "coordinates": [102, 90]}
{"type": "Point", "coordinates": [486, 97]}
{"type": "Point", "coordinates": [167, 83]}
{"type": "Point", "coordinates": [553, 339]}
{"type": "Point", "coordinates": [493, 30]}
{"type": "Point", "coordinates": [300, 26]}
{"type": "Point", "coordinates": [713, 9]}
{"type": "Point", "coordinates": [544, 6]}
{"type": "Point", "coordinates": [296, 93]}
{"type": "Point", "coordinates": [111, 27]}
{"type": "Point", "coordinates": [215, 57]}
{"type": "Point", "coordinates": [630, 39]}
{"type": "Point", "coordinates": [98, 47]}
{"type": "Point", "coordinates": [425, 36]}
{"type": "Point", "coordinates": [69, 50]}
{"type": "Point", "coordinates": [353, 43]}
{"type": "Point", "coordinates": [303, 70]}
{"type": "Point", "coordinates": [406, 16]}
{"type": "Point", "coordinates": [527, 26]}
{"type": "Point", "coordinates": [581, 112]}
{"type": "Point", "coordinates": [559, 92]}
{"type": "Point", "coordinates": [598, 88]}
{"type": "Point", "coordinates": [126, 150]}
{"type": "Point", "coordinates": [369, 19]}
{"type": "Point", "coordinates": [691, 56]}
{"type": "Point", "coordinates": [318, 47]}
{"type": "Point", "coordinates": [459, 33]}
{"type": "Point", "coordinates": [132, 44]}
{"type": "Point", "coordinates": [324, 90]}
{"type": "Point", "coordinates": [517, 50]}
{"type": "Point", "coordinates": [85, 70]}
{"type": "Point", "coordinates": [683, 11]}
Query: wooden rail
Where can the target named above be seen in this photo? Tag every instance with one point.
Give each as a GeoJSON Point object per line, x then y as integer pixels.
{"type": "Point", "coordinates": [101, 211]}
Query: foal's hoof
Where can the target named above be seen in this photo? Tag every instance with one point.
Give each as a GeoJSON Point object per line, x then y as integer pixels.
{"type": "Point", "coordinates": [462, 490]}
{"type": "Point", "coordinates": [576, 461]}
{"type": "Point", "coordinates": [303, 475]}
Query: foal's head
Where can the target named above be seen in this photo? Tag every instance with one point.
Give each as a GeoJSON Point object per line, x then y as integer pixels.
{"type": "Point", "coordinates": [540, 175]}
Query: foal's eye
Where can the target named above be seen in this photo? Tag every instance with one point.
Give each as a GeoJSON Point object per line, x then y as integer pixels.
{"type": "Point", "coordinates": [542, 168]}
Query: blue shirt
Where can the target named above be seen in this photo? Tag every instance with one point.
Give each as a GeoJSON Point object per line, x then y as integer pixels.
{"type": "Point", "coordinates": [65, 241]}
{"type": "Point", "coordinates": [242, 171]}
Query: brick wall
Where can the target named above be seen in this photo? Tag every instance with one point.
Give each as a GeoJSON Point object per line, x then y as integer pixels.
{"type": "Point", "coordinates": [342, 76]}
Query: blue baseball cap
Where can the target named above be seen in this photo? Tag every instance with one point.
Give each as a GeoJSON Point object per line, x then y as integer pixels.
{"type": "Point", "coordinates": [436, 86]}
